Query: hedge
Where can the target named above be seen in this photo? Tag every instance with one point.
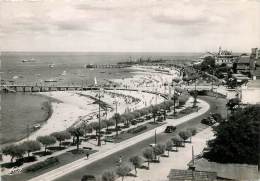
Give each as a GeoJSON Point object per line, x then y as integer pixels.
{"type": "Point", "coordinates": [137, 129]}
{"type": "Point", "coordinates": [42, 165]}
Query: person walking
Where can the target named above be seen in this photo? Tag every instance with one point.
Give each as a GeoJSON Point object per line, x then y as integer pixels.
{"type": "Point", "coordinates": [87, 154]}
{"type": "Point", "coordinates": [120, 160]}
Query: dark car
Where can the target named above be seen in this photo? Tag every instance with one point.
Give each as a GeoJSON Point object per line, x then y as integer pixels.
{"type": "Point", "coordinates": [88, 178]}
{"type": "Point", "coordinates": [170, 129]}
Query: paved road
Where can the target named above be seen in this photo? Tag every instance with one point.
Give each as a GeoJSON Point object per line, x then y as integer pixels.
{"type": "Point", "coordinates": [98, 167]}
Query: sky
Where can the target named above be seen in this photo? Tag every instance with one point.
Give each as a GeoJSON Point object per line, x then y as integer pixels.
{"type": "Point", "coordinates": [129, 25]}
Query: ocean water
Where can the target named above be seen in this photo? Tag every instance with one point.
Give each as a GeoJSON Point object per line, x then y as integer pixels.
{"type": "Point", "coordinates": [19, 110]}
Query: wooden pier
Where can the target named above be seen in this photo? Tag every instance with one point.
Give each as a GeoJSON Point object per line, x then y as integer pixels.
{"type": "Point", "coordinates": [46, 88]}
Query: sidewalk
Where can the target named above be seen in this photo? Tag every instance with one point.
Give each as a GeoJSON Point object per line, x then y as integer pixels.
{"type": "Point", "coordinates": [113, 148]}
{"type": "Point", "coordinates": [177, 160]}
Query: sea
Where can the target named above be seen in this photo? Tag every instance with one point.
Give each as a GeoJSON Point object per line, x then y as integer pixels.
{"type": "Point", "coordinates": [20, 111]}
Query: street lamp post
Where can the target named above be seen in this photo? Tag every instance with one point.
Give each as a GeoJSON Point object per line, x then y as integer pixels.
{"type": "Point", "coordinates": [99, 118]}
{"type": "Point", "coordinates": [155, 137]}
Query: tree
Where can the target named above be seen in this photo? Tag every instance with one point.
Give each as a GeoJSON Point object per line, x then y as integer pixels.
{"type": "Point", "coordinates": [194, 94]}
{"type": "Point", "coordinates": [76, 132]}
{"type": "Point", "coordinates": [117, 118]}
{"type": "Point", "coordinates": [177, 141]}
{"type": "Point", "coordinates": [184, 135]}
{"type": "Point", "coordinates": [46, 141]}
{"type": "Point", "coordinates": [154, 112]}
{"type": "Point", "coordinates": [95, 126]}
{"type": "Point", "coordinates": [168, 146]}
{"type": "Point", "coordinates": [237, 140]}
{"type": "Point", "coordinates": [87, 128]}
{"type": "Point", "coordinates": [208, 61]}
{"type": "Point", "coordinates": [31, 146]}
{"type": "Point", "coordinates": [108, 123]}
{"type": "Point", "coordinates": [129, 117]}
{"type": "Point", "coordinates": [137, 162]}
{"type": "Point", "coordinates": [159, 150]}
{"type": "Point", "coordinates": [109, 176]}
{"type": "Point", "coordinates": [123, 171]}
{"type": "Point", "coordinates": [193, 131]}
{"type": "Point", "coordinates": [233, 104]}
{"type": "Point", "coordinates": [15, 151]}
{"type": "Point", "coordinates": [61, 136]}
{"type": "Point", "coordinates": [148, 155]}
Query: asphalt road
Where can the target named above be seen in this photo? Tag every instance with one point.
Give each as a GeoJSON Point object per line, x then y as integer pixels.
{"type": "Point", "coordinates": [98, 167]}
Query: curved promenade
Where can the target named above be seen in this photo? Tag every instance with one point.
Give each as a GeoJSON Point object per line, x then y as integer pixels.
{"type": "Point", "coordinates": [73, 166]}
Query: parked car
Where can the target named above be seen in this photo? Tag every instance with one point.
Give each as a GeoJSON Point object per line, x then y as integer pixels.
{"type": "Point", "coordinates": [88, 178]}
{"type": "Point", "coordinates": [170, 129]}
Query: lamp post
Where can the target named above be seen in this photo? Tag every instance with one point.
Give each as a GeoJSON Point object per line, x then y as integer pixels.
{"type": "Point", "coordinates": [155, 137]}
{"type": "Point", "coordinates": [99, 118]}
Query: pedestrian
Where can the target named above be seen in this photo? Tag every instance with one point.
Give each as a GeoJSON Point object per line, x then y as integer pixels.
{"type": "Point", "coordinates": [120, 160]}
{"type": "Point", "coordinates": [87, 154]}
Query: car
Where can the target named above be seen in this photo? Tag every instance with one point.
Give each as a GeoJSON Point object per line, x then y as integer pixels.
{"type": "Point", "coordinates": [88, 178]}
{"type": "Point", "coordinates": [152, 145]}
{"type": "Point", "coordinates": [170, 129]}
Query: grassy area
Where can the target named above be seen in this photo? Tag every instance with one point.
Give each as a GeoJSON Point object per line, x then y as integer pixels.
{"type": "Point", "coordinates": [127, 135]}
{"type": "Point", "coordinates": [64, 158]}
{"type": "Point", "coordinates": [183, 112]}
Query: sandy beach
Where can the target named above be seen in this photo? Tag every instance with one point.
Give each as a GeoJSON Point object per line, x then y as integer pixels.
{"type": "Point", "coordinates": [76, 106]}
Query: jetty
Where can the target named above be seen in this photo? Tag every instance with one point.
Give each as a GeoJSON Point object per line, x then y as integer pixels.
{"type": "Point", "coordinates": [105, 66]}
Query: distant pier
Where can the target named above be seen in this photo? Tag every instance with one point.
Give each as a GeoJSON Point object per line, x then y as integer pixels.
{"type": "Point", "coordinates": [106, 66]}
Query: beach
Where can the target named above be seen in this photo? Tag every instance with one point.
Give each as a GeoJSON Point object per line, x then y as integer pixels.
{"type": "Point", "coordinates": [74, 107]}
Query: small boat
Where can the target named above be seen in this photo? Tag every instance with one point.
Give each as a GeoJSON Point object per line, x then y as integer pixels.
{"type": "Point", "coordinates": [24, 60]}
{"type": "Point", "coordinates": [90, 66]}
{"type": "Point", "coordinates": [50, 80]}
{"type": "Point", "coordinates": [64, 73]}
{"type": "Point", "coordinates": [51, 65]}
{"type": "Point", "coordinates": [36, 126]}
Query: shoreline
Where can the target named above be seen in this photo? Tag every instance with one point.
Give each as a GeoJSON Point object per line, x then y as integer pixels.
{"type": "Point", "coordinates": [71, 101]}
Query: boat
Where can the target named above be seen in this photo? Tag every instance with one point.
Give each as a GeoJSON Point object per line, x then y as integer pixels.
{"type": "Point", "coordinates": [30, 60]}
{"type": "Point", "coordinates": [50, 80]}
{"type": "Point", "coordinates": [90, 66]}
{"type": "Point", "coordinates": [36, 126]}
{"type": "Point", "coordinates": [64, 73]}
{"type": "Point", "coordinates": [24, 60]}
{"type": "Point", "coordinates": [51, 65]}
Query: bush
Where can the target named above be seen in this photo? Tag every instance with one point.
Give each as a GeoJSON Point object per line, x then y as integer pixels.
{"type": "Point", "coordinates": [11, 164]}
{"type": "Point", "coordinates": [185, 135]}
{"type": "Point", "coordinates": [42, 165]}
{"type": "Point", "coordinates": [109, 176]}
{"type": "Point", "coordinates": [138, 129]}
{"type": "Point", "coordinates": [193, 131]}
{"type": "Point", "coordinates": [123, 171]}
{"type": "Point", "coordinates": [27, 159]}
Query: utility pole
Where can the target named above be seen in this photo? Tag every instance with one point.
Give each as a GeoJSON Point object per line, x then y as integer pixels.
{"type": "Point", "coordinates": [155, 137]}
{"type": "Point", "coordinates": [99, 119]}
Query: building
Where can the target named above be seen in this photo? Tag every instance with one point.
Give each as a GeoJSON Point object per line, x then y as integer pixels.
{"type": "Point", "coordinates": [255, 53]}
{"type": "Point", "coordinates": [190, 175]}
{"type": "Point", "coordinates": [225, 57]}
{"type": "Point", "coordinates": [245, 65]}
